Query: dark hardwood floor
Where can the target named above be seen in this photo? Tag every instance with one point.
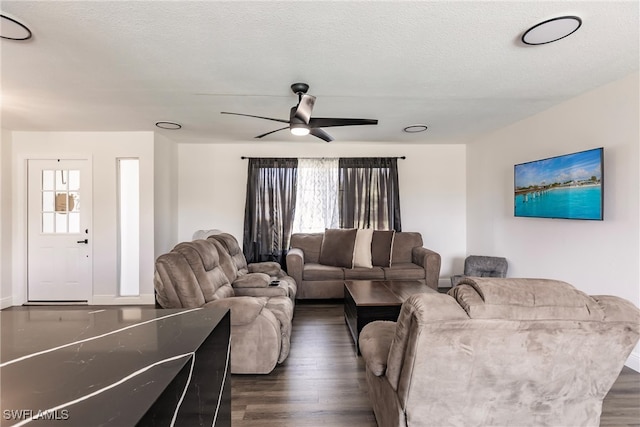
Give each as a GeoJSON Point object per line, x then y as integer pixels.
{"type": "Point", "coordinates": [322, 382]}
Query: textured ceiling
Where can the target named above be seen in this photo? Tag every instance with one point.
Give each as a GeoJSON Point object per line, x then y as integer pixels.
{"type": "Point", "coordinates": [458, 67]}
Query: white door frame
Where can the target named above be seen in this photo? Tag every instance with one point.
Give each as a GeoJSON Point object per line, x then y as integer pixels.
{"type": "Point", "coordinates": [59, 264]}
{"type": "Point", "coordinates": [19, 214]}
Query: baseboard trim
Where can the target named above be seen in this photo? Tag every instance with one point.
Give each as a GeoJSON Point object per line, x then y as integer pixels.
{"type": "Point", "coordinates": [633, 362]}
{"type": "Point", "coordinates": [444, 282]}
{"type": "Point", "coordinates": [6, 302]}
{"type": "Point", "coordinates": [118, 300]}
{"type": "Point", "coordinates": [60, 303]}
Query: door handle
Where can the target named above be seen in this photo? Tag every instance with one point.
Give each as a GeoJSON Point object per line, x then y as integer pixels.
{"type": "Point", "coordinates": [85, 241]}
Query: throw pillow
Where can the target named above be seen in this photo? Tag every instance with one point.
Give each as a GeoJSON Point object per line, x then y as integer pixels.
{"type": "Point", "coordinates": [381, 247]}
{"type": "Point", "coordinates": [337, 247]}
{"type": "Point", "coordinates": [362, 249]}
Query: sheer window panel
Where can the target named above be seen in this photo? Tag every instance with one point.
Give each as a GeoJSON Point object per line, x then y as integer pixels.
{"type": "Point", "coordinates": [317, 195]}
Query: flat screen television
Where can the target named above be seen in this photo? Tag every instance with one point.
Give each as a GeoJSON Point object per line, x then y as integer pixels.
{"type": "Point", "coordinates": [568, 186]}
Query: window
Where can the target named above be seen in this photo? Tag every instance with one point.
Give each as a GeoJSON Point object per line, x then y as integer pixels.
{"type": "Point", "coordinates": [60, 201]}
{"type": "Point", "coordinates": [286, 195]}
{"type": "Point", "coordinates": [317, 196]}
{"type": "Point", "coordinates": [129, 227]}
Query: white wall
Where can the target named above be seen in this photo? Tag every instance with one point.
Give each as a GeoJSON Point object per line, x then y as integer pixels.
{"type": "Point", "coordinates": [213, 177]}
{"type": "Point", "coordinates": [166, 194]}
{"type": "Point", "coordinates": [598, 257]}
{"type": "Point", "coordinates": [5, 219]}
{"type": "Point", "coordinates": [103, 148]}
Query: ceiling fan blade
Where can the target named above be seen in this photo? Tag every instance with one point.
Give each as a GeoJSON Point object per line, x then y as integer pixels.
{"type": "Point", "coordinates": [257, 117]}
{"type": "Point", "coordinates": [269, 133]}
{"type": "Point", "coordinates": [325, 122]}
{"type": "Point", "coordinates": [305, 106]}
{"type": "Point", "coordinates": [321, 134]}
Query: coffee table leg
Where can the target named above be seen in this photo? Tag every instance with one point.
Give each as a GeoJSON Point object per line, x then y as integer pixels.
{"type": "Point", "coordinates": [351, 318]}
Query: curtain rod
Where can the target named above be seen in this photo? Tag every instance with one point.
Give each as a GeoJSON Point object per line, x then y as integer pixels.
{"type": "Point", "coordinates": [245, 157]}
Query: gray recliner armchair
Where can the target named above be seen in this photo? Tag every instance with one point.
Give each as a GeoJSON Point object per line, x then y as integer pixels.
{"type": "Point", "coordinates": [498, 352]}
{"type": "Point", "coordinates": [482, 266]}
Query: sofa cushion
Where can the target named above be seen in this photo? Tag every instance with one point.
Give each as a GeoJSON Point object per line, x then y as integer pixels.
{"type": "Point", "coordinates": [203, 259]}
{"type": "Point", "coordinates": [322, 272]}
{"type": "Point", "coordinates": [524, 299]}
{"type": "Point", "coordinates": [361, 273]}
{"type": "Point", "coordinates": [175, 284]}
{"type": "Point", "coordinates": [362, 248]}
{"type": "Point", "coordinates": [309, 243]}
{"type": "Point", "coordinates": [271, 268]}
{"type": "Point", "coordinates": [403, 244]}
{"type": "Point", "coordinates": [381, 246]}
{"type": "Point", "coordinates": [337, 247]}
{"type": "Point", "coordinates": [233, 248]}
{"type": "Point", "coordinates": [404, 271]}
{"type": "Point", "coordinates": [252, 280]}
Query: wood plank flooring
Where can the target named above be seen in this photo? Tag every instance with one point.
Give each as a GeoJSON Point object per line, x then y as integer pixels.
{"type": "Point", "coordinates": [322, 382]}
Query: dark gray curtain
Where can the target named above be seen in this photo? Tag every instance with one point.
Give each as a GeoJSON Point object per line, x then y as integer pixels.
{"type": "Point", "coordinates": [369, 194]}
{"type": "Point", "coordinates": [269, 209]}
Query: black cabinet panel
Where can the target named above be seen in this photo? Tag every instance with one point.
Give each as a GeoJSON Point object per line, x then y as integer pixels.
{"type": "Point", "coordinates": [116, 366]}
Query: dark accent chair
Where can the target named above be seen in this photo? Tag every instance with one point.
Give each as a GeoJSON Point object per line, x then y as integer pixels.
{"type": "Point", "coordinates": [482, 266]}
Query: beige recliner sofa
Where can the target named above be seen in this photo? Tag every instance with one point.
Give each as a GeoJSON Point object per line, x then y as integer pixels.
{"type": "Point", "coordinates": [498, 352]}
{"type": "Point", "coordinates": [192, 275]}
{"type": "Point", "coordinates": [242, 270]}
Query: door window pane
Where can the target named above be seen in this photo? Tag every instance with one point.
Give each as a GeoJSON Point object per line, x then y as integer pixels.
{"type": "Point", "coordinates": [47, 180]}
{"type": "Point", "coordinates": [62, 179]}
{"type": "Point", "coordinates": [61, 202]}
{"type": "Point", "coordinates": [61, 222]}
{"type": "Point", "coordinates": [47, 201]}
{"type": "Point", "coordinates": [74, 199]}
{"type": "Point", "coordinates": [47, 223]}
{"type": "Point", "coordinates": [74, 180]}
{"type": "Point", "coordinates": [60, 194]}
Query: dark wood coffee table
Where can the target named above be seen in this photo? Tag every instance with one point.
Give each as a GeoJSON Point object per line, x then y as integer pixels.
{"type": "Point", "coordinates": [369, 300]}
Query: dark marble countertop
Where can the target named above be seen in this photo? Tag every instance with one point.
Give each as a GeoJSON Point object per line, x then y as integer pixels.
{"type": "Point", "coordinates": [91, 367]}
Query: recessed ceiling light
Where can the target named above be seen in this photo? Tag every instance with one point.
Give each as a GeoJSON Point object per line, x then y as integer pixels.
{"type": "Point", "coordinates": [11, 29]}
{"type": "Point", "coordinates": [415, 128]}
{"type": "Point", "coordinates": [169, 125]}
{"type": "Point", "coordinates": [551, 30]}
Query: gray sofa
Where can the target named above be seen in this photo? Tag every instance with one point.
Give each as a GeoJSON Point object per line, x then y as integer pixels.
{"type": "Point", "coordinates": [406, 259]}
{"type": "Point", "coordinates": [498, 352]}
{"type": "Point", "coordinates": [201, 273]}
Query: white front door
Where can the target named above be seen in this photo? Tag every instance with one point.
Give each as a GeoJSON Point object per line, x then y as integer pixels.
{"type": "Point", "coordinates": [59, 230]}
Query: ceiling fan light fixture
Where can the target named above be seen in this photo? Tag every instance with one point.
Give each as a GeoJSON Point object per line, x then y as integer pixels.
{"type": "Point", "coordinates": [299, 129]}
{"type": "Point", "coordinates": [551, 30]}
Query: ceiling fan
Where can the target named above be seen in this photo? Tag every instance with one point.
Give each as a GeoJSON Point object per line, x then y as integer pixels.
{"type": "Point", "coordinates": [300, 121]}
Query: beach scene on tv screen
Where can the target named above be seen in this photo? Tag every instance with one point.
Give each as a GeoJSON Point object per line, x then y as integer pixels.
{"type": "Point", "coordinates": [568, 186]}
